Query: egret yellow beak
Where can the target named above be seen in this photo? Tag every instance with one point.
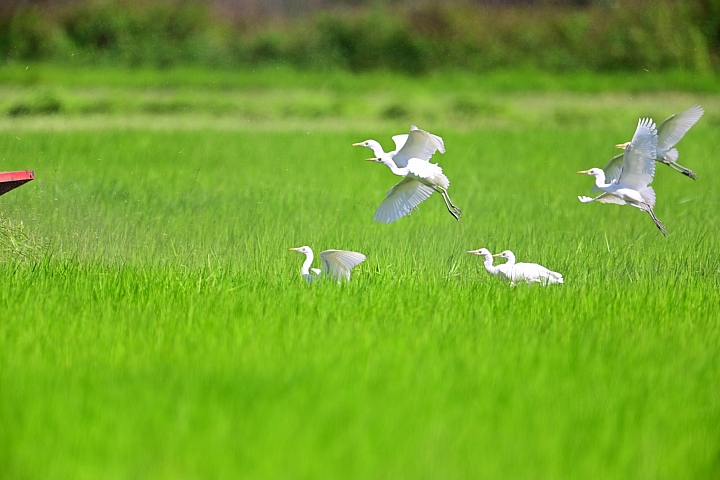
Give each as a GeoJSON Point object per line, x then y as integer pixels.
{"type": "Point", "coordinates": [372, 159]}
{"type": "Point", "coordinates": [357, 144]}
{"type": "Point", "coordinates": [497, 255]}
{"type": "Point", "coordinates": [471, 252]}
{"type": "Point", "coordinates": [622, 145]}
{"type": "Point", "coordinates": [293, 249]}
{"type": "Point", "coordinates": [584, 172]}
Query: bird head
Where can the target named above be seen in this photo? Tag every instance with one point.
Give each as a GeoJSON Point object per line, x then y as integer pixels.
{"type": "Point", "coordinates": [593, 171]}
{"type": "Point", "coordinates": [622, 145]}
{"type": "Point", "coordinates": [481, 252]}
{"type": "Point", "coordinates": [366, 143]}
{"type": "Point", "coordinates": [304, 249]}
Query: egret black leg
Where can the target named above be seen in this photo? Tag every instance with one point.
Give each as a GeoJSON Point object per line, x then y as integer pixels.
{"type": "Point", "coordinates": [658, 223]}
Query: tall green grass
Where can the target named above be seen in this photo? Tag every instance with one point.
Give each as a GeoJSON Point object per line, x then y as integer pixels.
{"type": "Point", "coordinates": [164, 331]}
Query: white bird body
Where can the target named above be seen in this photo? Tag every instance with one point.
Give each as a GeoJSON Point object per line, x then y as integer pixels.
{"type": "Point", "coordinates": [670, 132]}
{"type": "Point", "coordinates": [525, 272]}
{"type": "Point", "coordinates": [421, 178]}
{"type": "Point", "coordinates": [335, 263]}
{"type": "Point", "coordinates": [627, 183]}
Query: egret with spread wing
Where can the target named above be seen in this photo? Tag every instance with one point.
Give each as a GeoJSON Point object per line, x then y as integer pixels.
{"type": "Point", "coordinates": [670, 132]}
{"type": "Point", "coordinates": [335, 263]}
{"type": "Point", "coordinates": [421, 178]}
{"type": "Point", "coordinates": [627, 183]}
{"type": "Point", "coordinates": [525, 272]}
{"type": "Point", "coordinates": [416, 144]}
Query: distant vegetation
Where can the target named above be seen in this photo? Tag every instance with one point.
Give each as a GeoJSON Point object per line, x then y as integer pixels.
{"type": "Point", "coordinates": [606, 36]}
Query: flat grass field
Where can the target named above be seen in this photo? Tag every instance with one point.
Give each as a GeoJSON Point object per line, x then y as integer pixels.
{"type": "Point", "coordinates": [153, 323]}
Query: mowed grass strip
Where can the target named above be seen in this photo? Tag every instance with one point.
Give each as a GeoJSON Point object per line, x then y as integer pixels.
{"type": "Point", "coordinates": [165, 331]}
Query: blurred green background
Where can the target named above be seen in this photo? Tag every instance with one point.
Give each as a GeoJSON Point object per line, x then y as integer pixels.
{"type": "Point", "coordinates": [361, 35]}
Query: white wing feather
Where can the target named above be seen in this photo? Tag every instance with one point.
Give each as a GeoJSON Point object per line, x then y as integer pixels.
{"type": "Point", "coordinates": [402, 199]}
{"type": "Point", "coordinates": [674, 128]}
{"type": "Point", "coordinates": [638, 166]}
{"type": "Point", "coordinates": [419, 144]}
{"type": "Point", "coordinates": [400, 141]}
{"type": "Point", "coordinates": [338, 263]}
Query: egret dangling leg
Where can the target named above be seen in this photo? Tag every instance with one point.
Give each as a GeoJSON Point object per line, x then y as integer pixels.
{"type": "Point", "coordinates": [454, 211]}
{"type": "Point", "coordinates": [679, 168]}
{"type": "Point", "coordinates": [647, 208]}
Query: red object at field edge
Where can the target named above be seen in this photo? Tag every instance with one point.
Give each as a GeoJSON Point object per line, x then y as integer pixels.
{"type": "Point", "coordinates": [11, 180]}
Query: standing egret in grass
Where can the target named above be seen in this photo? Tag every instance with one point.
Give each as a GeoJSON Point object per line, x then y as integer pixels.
{"type": "Point", "coordinates": [421, 178]}
{"type": "Point", "coordinates": [627, 184]}
{"type": "Point", "coordinates": [335, 263]}
{"type": "Point", "coordinates": [670, 132]}
{"type": "Point", "coordinates": [525, 272]}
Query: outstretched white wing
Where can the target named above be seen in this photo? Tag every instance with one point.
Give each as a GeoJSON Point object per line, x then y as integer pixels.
{"type": "Point", "coordinates": [401, 199]}
{"type": "Point", "coordinates": [338, 263]}
{"type": "Point", "coordinates": [419, 144]}
{"type": "Point", "coordinates": [638, 166]}
{"type": "Point", "coordinates": [612, 170]}
{"type": "Point", "coordinates": [674, 128]}
{"type": "Point", "coordinates": [400, 141]}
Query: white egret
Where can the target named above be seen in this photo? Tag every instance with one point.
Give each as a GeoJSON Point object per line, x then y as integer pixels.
{"type": "Point", "coordinates": [670, 132]}
{"type": "Point", "coordinates": [416, 144]}
{"type": "Point", "coordinates": [525, 272]}
{"type": "Point", "coordinates": [627, 183]}
{"type": "Point", "coordinates": [421, 178]}
{"type": "Point", "coordinates": [335, 263]}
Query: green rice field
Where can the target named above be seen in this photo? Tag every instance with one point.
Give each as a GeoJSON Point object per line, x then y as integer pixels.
{"type": "Point", "coordinates": [153, 323]}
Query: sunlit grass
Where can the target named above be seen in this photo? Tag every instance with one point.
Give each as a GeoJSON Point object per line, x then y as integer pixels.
{"type": "Point", "coordinates": [163, 330]}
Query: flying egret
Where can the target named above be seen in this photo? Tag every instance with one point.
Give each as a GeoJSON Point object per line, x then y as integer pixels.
{"type": "Point", "coordinates": [627, 184]}
{"type": "Point", "coordinates": [416, 144]}
{"type": "Point", "coordinates": [525, 272]}
{"type": "Point", "coordinates": [669, 133]}
{"type": "Point", "coordinates": [421, 178]}
{"type": "Point", "coordinates": [335, 263]}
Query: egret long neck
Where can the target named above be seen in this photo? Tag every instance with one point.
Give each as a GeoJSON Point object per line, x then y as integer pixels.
{"type": "Point", "coordinates": [306, 265]}
{"type": "Point", "coordinates": [377, 149]}
{"type": "Point", "coordinates": [488, 264]}
{"type": "Point", "coordinates": [510, 260]}
{"type": "Point", "coordinates": [387, 161]}
{"type": "Point", "coordinates": [600, 180]}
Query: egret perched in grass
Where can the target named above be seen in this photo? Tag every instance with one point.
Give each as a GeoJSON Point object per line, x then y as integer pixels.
{"type": "Point", "coordinates": [627, 183]}
{"type": "Point", "coordinates": [525, 272]}
{"type": "Point", "coordinates": [670, 132]}
{"type": "Point", "coordinates": [335, 263]}
{"type": "Point", "coordinates": [421, 178]}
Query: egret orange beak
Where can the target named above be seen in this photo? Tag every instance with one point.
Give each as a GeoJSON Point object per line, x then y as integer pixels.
{"type": "Point", "coordinates": [357, 144]}
{"type": "Point", "coordinates": [622, 145]}
{"type": "Point", "coordinates": [584, 172]}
